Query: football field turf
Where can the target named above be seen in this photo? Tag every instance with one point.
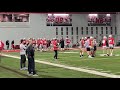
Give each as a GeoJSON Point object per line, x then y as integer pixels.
{"type": "Point", "coordinates": [9, 67]}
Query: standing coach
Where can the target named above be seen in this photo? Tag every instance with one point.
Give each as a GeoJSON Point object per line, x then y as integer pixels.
{"type": "Point", "coordinates": [30, 56]}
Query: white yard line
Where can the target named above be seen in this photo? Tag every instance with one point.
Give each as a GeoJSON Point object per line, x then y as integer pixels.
{"type": "Point", "coordinates": [72, 68]}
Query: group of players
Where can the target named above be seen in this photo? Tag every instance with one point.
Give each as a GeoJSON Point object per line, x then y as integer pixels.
{"type": "Point", "coordinates": [45, 45]}
{"type": "Point", "coordinates": [89, 45]}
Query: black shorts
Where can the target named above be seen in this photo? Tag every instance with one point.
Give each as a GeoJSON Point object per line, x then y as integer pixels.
{"type": "Point", "coordinates": [111, 47]}
{"type": "Point", "coordinates": [95, 48]}
{"type": "Point", "coordinates": [62, 46]}
{"type": "Point", "coordinates": [88, 49]}
{"type": "Point", "coordinates": [23, 58]}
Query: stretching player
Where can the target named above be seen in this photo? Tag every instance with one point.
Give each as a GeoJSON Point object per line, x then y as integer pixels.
{"type": "Point", "coordinates": [95, 47]}
{"type": "Point", "coordinates": [111, 44]}
{"type": "Point", "coordinates": [91, 43]}
{"type": "Point", "coordinates": [67, 43]}
{"type": "Point", "coordinates": [41, 45]}
{"type": "Point", "coordinates": [38, 44]}
{"type": "Point", "coordinates": [105, 46]}
{"type": "Point", "coordinates": [81, 43]}
{"type": "Point", "coordinates": [44, 44]}
{"type": "Point", "coordinates": [87, 46]}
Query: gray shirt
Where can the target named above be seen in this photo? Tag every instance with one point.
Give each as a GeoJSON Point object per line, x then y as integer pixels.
{"type": "Point", "coordinates": [87, 43]}
{"type": "Point", "coordinates": [22, 49]}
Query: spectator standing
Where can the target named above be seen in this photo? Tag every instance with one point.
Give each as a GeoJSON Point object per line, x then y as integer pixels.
{"type": "Point", "coordinates": [7, 44]}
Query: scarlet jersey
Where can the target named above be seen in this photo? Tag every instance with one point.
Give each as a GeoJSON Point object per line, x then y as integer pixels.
{"type": "Point", "coordinates": [55, 47]}
{"type": "Point", "coordinates": [82, 42]}
{"type": "Point", "coordinates": [68, 41]}
{"type": "Point", "coordinates": [41, 41]}
{"type": "Point", "coordinates": [1, 45]}
{"type": "Point", "coordinates": [44, 42]}
{"type": "Point", "coordinates": [38, 42]}
{"type": "Point", "coordinates": [90, 42]}
{"type": "Point", "coordinates": [34, 42]}
{"type": "Point", "coordinates": [111, 40]}
{"type": "Point", "coordinates": [52, 42]}
{"type": "Point", "coordinates": [104, 42]}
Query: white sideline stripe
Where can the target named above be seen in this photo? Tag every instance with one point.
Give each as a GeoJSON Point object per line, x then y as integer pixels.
{"type": "Point", "coordinates": [72, 68]}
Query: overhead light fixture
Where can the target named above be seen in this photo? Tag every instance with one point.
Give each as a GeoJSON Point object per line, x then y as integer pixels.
{"type": "Point", "coordinates": [61, 14]}
{"type": "Point", "coordinates": [49, 14]}
{"type": "Point", "coordinates": [91, 15]}
{"type": "Point", "coordinates": [108, 15]}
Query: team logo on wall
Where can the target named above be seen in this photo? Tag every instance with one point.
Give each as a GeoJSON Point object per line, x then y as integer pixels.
{"type": "Point", "coordinates": [14, 17]}
{"type": "Point", "coordinates": [99, 20]}
{"type": "Point", "coordinates": [59, 20]}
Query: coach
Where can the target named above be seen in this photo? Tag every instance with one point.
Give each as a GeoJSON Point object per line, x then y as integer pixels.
{"type": "Point", "coordinates": [30, 56]}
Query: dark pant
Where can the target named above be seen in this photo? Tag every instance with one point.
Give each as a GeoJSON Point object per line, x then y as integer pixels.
{"type": "Point", "coordinates": [31, 65]}
{"type": "Point", "coordinates": [22, 61]}
{"type": "Point", "coordinates": [55, 56]}
{"type": "Point", "coordinates": [7, 47]}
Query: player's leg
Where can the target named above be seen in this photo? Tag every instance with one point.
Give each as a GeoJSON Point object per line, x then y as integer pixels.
{"type": "Point", "coordinates": [80, 52]}
{"type": "Point", "coordinates": [111, 53]}
{"type": "Point", "coordinates": [103, 50]}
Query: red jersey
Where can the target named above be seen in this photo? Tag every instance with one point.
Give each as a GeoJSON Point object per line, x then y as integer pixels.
{"type": "Point", "coordinates": [55, 45]}
{"type": "Point", "coordinates": [111, 40]}
{"type": "Point", "coordinates": [104, 42]}
{"type": "Point", "coordinates": [41, 41]}
{"type": "Point", "coordinates": [34, 42]}
{"type": "Point", "coordinates": [90, 42]}
{"type": "Point", "coordinates": [44, 42]}
{"type": "Point", "coordinates": [52, 42]}
{"type": "Point", "coordinates": [82, 42]}
{"type": "Point", "coordinates": [38, 42]}
{"type": "Point", "coordinates": [68, 41]}
{"type": "Point", "coordinates": [1, 45]}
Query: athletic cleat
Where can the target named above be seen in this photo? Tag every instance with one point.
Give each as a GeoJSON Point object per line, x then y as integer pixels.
{"type": "Point", "coordinates": [111, 55]}
{"type": "Point", "coordinates": [35, 75]}
{"type": "Point", "coordinates": [29, 74]}
{"type": "Point", "coordinates": [21, 69]}
{"type": "Point", "coordinates": [108, 55]}
{"type": "Point", "coordinates": [81, 57]}
{"type": "Point", "coordinates": [25, 68]}
{"type": "Point", "coordinates": [90, 57]}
